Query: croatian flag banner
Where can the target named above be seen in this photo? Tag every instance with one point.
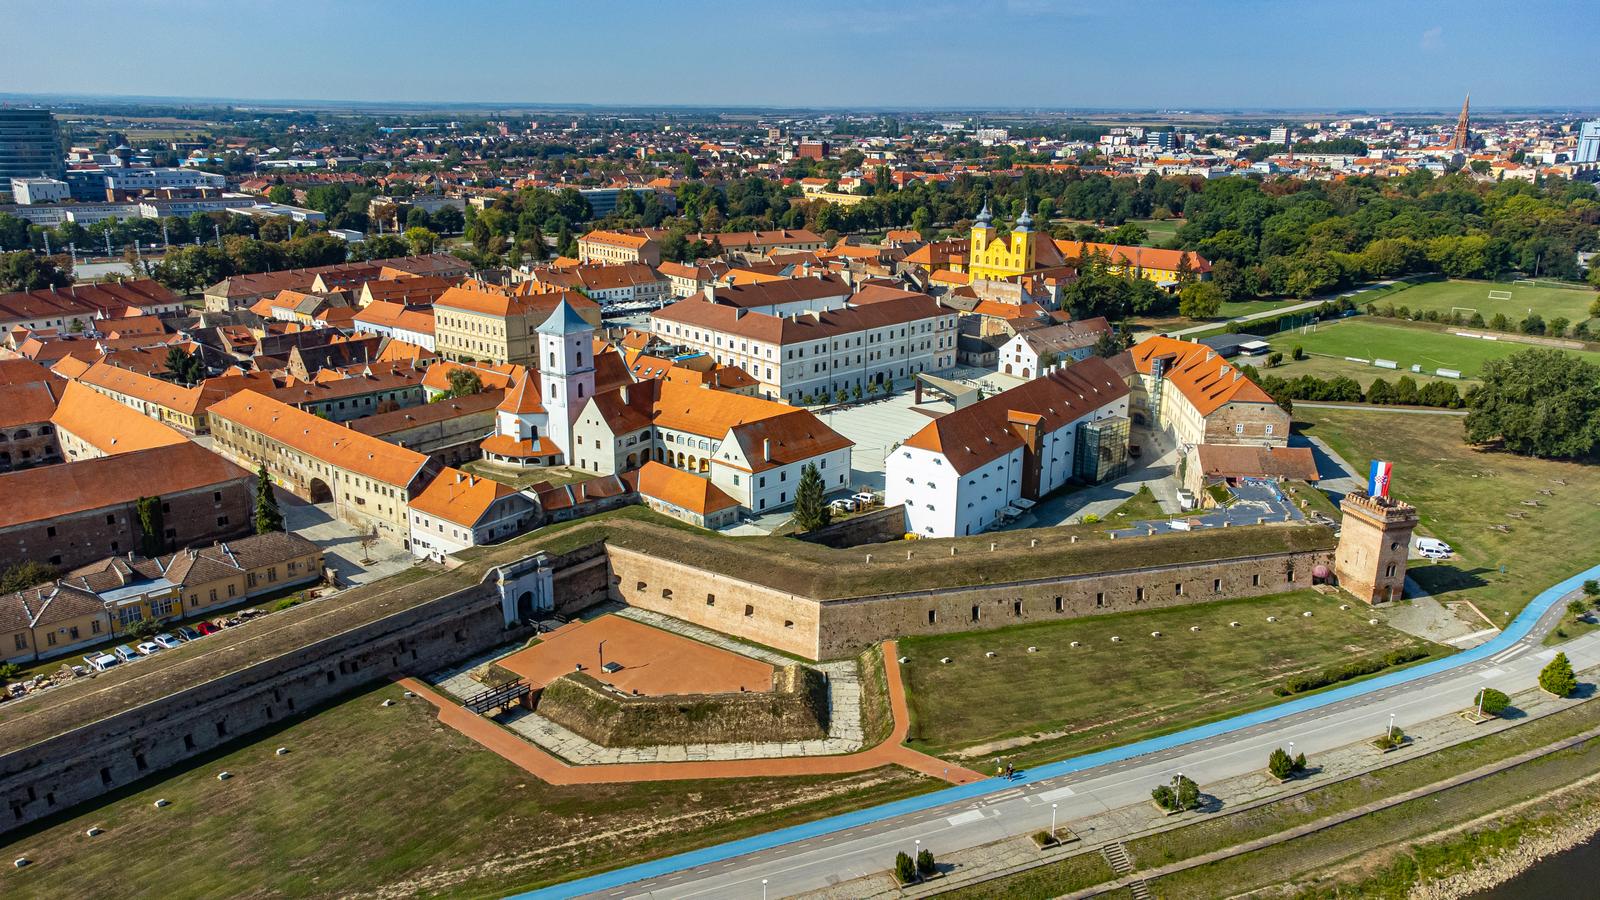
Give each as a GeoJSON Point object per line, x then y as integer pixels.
{"type": "Point", "coordinates": [1378, 478]}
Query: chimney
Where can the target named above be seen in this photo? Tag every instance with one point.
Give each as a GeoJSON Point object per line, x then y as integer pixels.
{"type": "Point", "coordinates": [766, 449]}
{"type": "Point", "coordinates": [624, 395]}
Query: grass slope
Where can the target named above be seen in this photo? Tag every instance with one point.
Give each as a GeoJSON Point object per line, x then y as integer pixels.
{"type": "Point", "coordinates": [1462, 493]}
{"type": "Point", "coordinates": [1063, 700]}
{"type": "Point", "coordinates": [386, 801]}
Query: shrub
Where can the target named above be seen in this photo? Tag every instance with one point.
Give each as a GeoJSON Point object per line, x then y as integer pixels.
{"type": "Point", "coordinates": [1091, 519]}
{"type": "Point", "coordinates": [1299, 352]}
{"type": "Point", "coordinates": [1279, 764]}
{"type": "Point", "coordinates": [1577, 607]}
{"type": "Point", "coordinates": [1044, 838]}
{"type": "Point", "coordinates": [1591, 588]}
{"type": "Point", "coordinates": [8, 671]}
{"type": "Point", "coordinates": [1557, 677]}
{"type": "Point", "coordinates": [1186, 795]}
{"type": "Point", "coordinates": [905, 871]}
{"type": "Point", "coordinates": [1493, 702]}
{"type": "Point", "coordinates": [1310, 681]}
{"type": "Point", "coordinates": [925, 865]}
{"type": "Point", "coordinates": [1394, 737]}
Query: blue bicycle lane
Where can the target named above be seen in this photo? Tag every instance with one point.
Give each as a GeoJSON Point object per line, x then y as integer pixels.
{"type": "Point", "coordinates": [1514, 632]}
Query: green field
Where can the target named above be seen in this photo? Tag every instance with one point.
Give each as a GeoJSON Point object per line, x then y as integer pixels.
{"type": "Point", "coordinates": [374, 801]}
{"type": "Point", "coordinates": [1466, 496]}
{"type": "Point", "coordinates": [1443, 296]}
{"type": "Point", "coordinates": [1105, 693]}
{"type": "Point", "coordinates": [1406, 344]}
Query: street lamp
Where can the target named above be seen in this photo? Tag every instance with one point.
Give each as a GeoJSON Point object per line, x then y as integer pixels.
{"type": "Point", "coordinates": [763, 889]}
{"type": "Point", "coordinates": [1052, 821]}
{"type": "Point", "coordinates": [1391, 726]}
{"type": "Point", "coordinates": [916, 850]}
{"type": "Point", "coordinates": [1291, 751]}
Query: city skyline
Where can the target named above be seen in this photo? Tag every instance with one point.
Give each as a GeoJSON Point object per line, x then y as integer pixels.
{"type": "Point", "coordinates": [998, 55]}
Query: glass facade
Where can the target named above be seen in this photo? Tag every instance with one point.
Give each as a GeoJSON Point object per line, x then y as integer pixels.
{"type": "Point", "coordinates": [30, 145]}
{"type": "Point", "coordinates": [1102, 450]}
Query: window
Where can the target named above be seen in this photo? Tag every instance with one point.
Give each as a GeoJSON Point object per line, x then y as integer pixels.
{"type": "Point", "coordinates": [933, 617]}
{"type": "Point", "coordinates": [21, 641]}
{"type": "Point", "coordinates": [1239, 428]}
{"type": "Point", "coordinates": [1216, 585]}
{"type": "Point", "coordinates": [749, 610]}
{"type": "Point", "coordinates": [1177, 589]}
{"type": "Point", "coordinates": [1016, 607]}
{"type": "Point", "coordinates": [1255, 581]}
{"type": "Point", "coordinates": [711, 599]}
{"type": "Point", "coordinates": [1060, 607]}
{"type": "Point", "coordinates": [974, 612]}
{"type": "Point", "coordinates": [1138, 595]}
{"type": "Point", "coordinates": [1269, 429]}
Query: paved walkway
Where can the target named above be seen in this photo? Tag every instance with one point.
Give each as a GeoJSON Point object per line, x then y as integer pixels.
{"type": "Point", "coordinates": [1233, 796]}
{"type": "Point", "coordinates": [548, 768]}
{"type": "Point", "coordinates": [1368, 407]}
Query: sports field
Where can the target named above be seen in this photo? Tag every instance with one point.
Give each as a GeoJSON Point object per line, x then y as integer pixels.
{"type": "Point", "coordinates": [1473, 296]}
{"type": "Point", "coordinates": [1373, 338]}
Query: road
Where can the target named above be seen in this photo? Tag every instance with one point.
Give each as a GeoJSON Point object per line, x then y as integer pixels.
{"type": "Point", "coordinates": [815, 855]}
{"type": "Point", "coordinates": [1280, 310]}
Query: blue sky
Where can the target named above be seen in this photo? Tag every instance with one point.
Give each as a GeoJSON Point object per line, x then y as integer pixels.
{"type": "Point", "coordinates": [983, 53]}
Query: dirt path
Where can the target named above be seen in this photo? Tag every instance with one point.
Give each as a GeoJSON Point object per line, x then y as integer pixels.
{"type": "Point", "coordinates": [531, 758]}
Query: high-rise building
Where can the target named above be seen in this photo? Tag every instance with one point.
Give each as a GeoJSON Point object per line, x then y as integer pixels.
{"type": "Point", "coordinates": [1279, 135]}
{"type": "Point", "coordinates": [30, 145]}
{"type": "Point", "coordinates": [1588, 143]}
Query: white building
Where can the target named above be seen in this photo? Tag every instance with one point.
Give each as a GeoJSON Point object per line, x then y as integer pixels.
{"type": "Point", "coordinates": [137, 180]}
{"type": "Point", "coordinates": [1038, 350]}
{"type": "Point", "coordinates": [879, 335]}
{"type": "Point", "coordinates": [752, 449]}
{"type": "Point", "coordinates": [28, 191]}
{"type": "Point", "coordinates": [967, 470]}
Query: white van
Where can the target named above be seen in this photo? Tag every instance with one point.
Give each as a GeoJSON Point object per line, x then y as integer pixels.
{"type": "Point", "coordinates": [1433, 548]}
{"type": "Point", "coordinates": [101, 661]}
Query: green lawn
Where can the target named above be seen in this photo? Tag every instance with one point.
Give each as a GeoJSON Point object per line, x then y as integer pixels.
{"type": "Point", "coordinates": [1065, 700]}
{"type": "Point", "coordinates": [1161, 230]}
{"type": "Point", "coordinates": [387, 802]}
{"type": "Point", "coordinates": [1465, 496]}
{"type": "Point", "coordinates": [1235, 308]}
{"type": "Point", "coordinates": [1373, 338]}
{"type": "Point", "coordinates": [1442, 296]}
{"type": "Point", "coordinates": [1329, 367]}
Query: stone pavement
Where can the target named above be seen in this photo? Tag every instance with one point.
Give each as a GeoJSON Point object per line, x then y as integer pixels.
{"type": "Point", "coordinates": [549, 768]}
{"type": "Point", "coordinates": [1018, 853]}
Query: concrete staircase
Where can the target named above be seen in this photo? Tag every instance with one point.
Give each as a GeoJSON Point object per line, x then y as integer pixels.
{"type": "Point", "coordinates": [1117, 855]}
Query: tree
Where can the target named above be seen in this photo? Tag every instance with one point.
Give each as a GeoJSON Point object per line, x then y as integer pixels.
{"type": "Point", "coordinates": [24, 575]}
{"type": "Point", "coordinates": [463, 383]}
{"type": "Point", "coordinates": [905, 869]}
{"type": "Point", "coordinates": [23, 271]}
{"type": "Point", "coordinates": [810, 500]}
{"type": "Point", "coordinates": [186, 368]}
{"type": "Point", "coordinates": [421, 240]}
{"type": "Point", "coordinates": [152, 527]}
{"type": "Point", "coordinates": [1492, 702]}
{"type": "Point", "coordinates": [925, 864]}
{"type": "Point", "coordinates": [281, 193]}
{"type": "Point", "coordinates": [1537, 402]}
{"type": "Point", "coordinates": [268, 516]}
{"type": "Point", "coordinates": [1280, 765]}
{"type": "Point", "coordinates": [1199, 300]}
{"type": "Point", "coordinates": [368, 541]}
{"type": "Point", "coordinates": [1557, 677]}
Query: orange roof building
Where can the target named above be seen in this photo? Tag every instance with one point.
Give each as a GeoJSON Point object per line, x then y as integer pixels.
{"type": "Point", "coordinates": [684, 496]}
{"type": "Point", "coordinates": [967, 470]}
{"type": "Point", "coordinates": [1190, 391]}
{"type": "Point", "coordinates": [457, 510]}
{"type": "Point", "coordinates": [90, 424]}
{"type": "Point", "coordinates": [368, 481]}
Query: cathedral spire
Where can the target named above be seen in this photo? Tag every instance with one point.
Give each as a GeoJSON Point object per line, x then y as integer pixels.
{"type": "Point", "coordinates": [1462, 139]}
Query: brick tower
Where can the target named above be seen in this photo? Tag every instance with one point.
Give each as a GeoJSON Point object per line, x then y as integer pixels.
{"type": "Point", "coordinates": [1373, 545]}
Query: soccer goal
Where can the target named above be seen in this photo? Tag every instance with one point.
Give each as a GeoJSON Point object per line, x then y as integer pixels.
{"type": "Point", "coordinates": [1468, 310]}
{"type": "Point", "coordinates": [1499, 295]}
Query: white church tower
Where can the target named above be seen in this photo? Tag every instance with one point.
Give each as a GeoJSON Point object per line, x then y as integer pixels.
{"type": "Point", "coordinates": [566, 371]}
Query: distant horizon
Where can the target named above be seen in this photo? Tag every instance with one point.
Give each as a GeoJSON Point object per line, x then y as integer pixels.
{"type": "Point", "coordinates": [826, 54]}
{"type": "Point", "coordinates": [48, 99]}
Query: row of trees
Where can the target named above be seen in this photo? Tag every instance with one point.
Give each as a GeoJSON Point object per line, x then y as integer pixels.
{"type": "Point", "coordinates": [1532, 324]}
{"type": "Point", "coordinates": [1343, 389]}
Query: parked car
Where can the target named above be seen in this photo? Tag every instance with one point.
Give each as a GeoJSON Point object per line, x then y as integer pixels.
{"type": "Point", "coordinates": [148, 648]}
{"type": "Point", "coordinates": [1433, 548]}
{"type": "Point", "coordinates": [166, 641]}
{"type": "Point", "coordinates": [843, 504]}
{"type": "Point", "coordinates": [865, 498]}
{"type": "Point", "coordinates": [101, 661]}
{"type": "Point", "coordinates": [206, 628]}
{"type": "Point", "coordinates": [185, 633]}
{"type": "Point", "coordinates": [125, 653]}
